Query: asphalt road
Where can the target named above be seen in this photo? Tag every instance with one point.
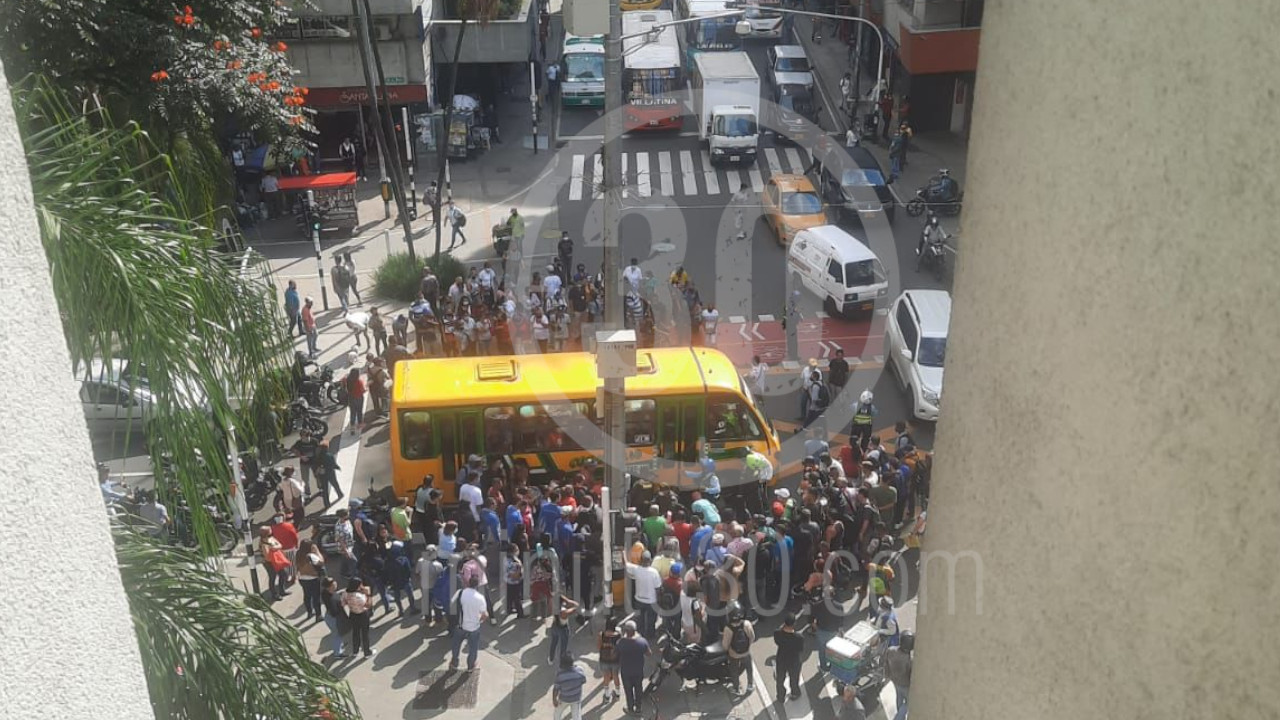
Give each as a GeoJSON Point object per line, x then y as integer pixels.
{"type": "Point", "coordinates": [676, 212]}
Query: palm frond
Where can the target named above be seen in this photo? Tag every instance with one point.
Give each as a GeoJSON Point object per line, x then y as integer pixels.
{"type": "Point", "coordinates": [213, 651]}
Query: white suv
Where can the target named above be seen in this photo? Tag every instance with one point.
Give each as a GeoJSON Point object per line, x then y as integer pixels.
{"type": "Point", "coordinates": [916, 334]}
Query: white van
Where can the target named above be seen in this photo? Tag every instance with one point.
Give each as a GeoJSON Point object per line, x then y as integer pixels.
{"type": "Point", "coordinates": [838, 268]}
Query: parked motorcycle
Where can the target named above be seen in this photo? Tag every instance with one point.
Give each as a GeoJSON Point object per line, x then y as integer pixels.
{"type": "Point", "coordinates": [320, 389]}
{"type": "Point", "coordinates": [181, 530]}
{"type": "Point", "coordinates": [305, 418]}
{"type": "Point", "coordinates": [702, 664]}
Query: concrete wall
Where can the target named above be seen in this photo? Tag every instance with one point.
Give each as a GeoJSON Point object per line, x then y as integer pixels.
{"type": "Point", "coordinates": [501, 41]}
{"type": "Point", "coordinates": [69, 650]}
{"type": "Point", "coordinates": [336, 63]}
{"type": "Point", "coordinates": [1109, 445]}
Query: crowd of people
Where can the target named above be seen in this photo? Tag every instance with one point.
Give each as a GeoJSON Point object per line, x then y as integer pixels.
{"type": "Point", "coordinates": [702, 565]}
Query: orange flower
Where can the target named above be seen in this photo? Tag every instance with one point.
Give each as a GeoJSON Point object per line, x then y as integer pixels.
{"type": "Point", "coordinates": [273, 85]}
{"type": "Point", "coordinates": [296, 120]}
{"type": "Point", "coordinates": [159, 76]}
{"type": "Point", "coordinates": [281, 47]}
{"type": "Point", "coordinates": [256, 33]}
{"type": "Point", "coordinates": [234, 65]}
{"type": "Point", "coordinates": [305, 91]}
{"type": "Point", "coordinates": [186, 9]}
{"type": "Point", "coordinates": [177, 19]}
{"type": "Point", "coordinates": [188, 20]}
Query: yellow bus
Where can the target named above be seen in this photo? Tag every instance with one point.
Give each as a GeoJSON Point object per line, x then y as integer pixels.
{"type": "Point", "coordinates": [629, 5]}
{"type": "Point", "coordinates": [538, 413]}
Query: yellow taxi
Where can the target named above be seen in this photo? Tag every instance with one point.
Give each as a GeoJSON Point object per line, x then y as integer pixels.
{"type": "Point", "coordinates": [791, 204]}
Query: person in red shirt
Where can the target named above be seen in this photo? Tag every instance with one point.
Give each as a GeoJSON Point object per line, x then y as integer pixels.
{"type": "Point", "coordinates": [283, 530]}
{"type": "Point", "coordinates": [683, 531]}
{"type": "Point", "coordinates": [851, 459]}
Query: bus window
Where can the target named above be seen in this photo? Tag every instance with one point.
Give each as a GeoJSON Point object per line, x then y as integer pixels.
{"type": "Point", "coordinates": [731, 420]}
{"type": "Point", "coordinates": [499, 430]}
{"type": "Point", "coordinates": [415, 435]}
{"type": "Point", "coordinates": [560, 426]}
{"type": "Point", "coordinates": [640, 416]}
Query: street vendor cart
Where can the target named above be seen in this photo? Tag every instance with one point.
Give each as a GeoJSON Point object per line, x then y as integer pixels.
{"type": "Point", "coordinates": [335, 198]}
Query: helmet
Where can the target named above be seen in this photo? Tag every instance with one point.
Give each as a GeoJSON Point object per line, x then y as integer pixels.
{"type": "Point", "coordinates": [677, 569]}
{"type": "Point", "coordinates": [944, 172]}
{"type": "Point", "coordinates": [810, 460]}
{"type": "Point", "coordinates": [865, 397]}
{"type": "Point", "coordinates": [933, 220]}
{"type": "Point", "coordinates": [886, 603]}
{"type": "Point", "coordinates": [907, 641]}
{"type": "Point", "coordinates": [736, 616]}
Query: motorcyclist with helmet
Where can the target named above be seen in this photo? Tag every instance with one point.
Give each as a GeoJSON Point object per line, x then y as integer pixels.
{"type": "Point", "coordinates": [864, 413]}
{"type": "Point", "coordinates": [942, 188]}
{"type": "Point", "coordinates": [932, 233]}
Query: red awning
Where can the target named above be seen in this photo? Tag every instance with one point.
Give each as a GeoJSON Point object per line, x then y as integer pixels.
{"type": "Point", "coordinates": [317, 182]}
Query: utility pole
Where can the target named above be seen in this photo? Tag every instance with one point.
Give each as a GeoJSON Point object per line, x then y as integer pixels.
{"type": "Point", "coordinates": [388, 129]}
{"type": "Point", "coordinates": [313, 230]}
{"type": "Point", "coordinates": [614, 388]}
{"type": "Point", "coordinates": [411, 161]}
{"type": "Point", "coordinates": [362, 35]}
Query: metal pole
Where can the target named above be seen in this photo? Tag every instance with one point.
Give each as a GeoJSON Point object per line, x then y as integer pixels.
{"type": "Point", "coordinates": [411, 158]}
{"type": "Point", "coordinates": [614, 389]}
{"type": "Point", "coordinates": [533, 103]}
{"type": "Point", "coordinates": [315, 239]}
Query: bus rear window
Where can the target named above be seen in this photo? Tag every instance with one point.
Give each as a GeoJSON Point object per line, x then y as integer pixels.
{"type": "Point", "coordinates": [416, 437]}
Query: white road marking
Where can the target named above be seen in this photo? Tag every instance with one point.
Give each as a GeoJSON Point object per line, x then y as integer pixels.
{"type": "Point", "coordinates": [709, 175]}
{"type": "Point", "coordinates": [643, 188]}
{"type": "Point", "coordinates": [597, 180]}
{"type": "Point", "coordinates": [757, 182]}
{"type": "Point", "coordinates": [686, 170]}
{"type": "Point", "coordinates": [793, 157]}
{"type": "Point", "coordinates": [575, 178]}
{"type": "Point", "coordinates": [738, 319]}
{"type": "Point", "coordinates": [665, 184]}
{"type": "Point", "coordinates": [771, 157]}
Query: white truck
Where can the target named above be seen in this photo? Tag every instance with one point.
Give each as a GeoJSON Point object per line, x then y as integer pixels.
{"type": "Point", "coordinates": [726, 101]}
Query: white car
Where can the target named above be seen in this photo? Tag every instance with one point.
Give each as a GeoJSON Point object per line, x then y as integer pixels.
{"type": "Point", "coordinates": [916, 334]}
{"type": "Point", "coordinates": [116, 393]}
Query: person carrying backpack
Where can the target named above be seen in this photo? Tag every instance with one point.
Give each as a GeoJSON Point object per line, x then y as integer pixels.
{"type": "Point", "coordinates": [736, 638]}
{"type": "Point", "coordinates": [819, 397]}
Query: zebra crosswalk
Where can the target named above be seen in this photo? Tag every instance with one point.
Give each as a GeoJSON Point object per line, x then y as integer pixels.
{"type": "Point", "coordinates": [679, 173]}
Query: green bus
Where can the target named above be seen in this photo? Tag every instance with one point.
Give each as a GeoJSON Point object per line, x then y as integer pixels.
{"type": "Point", "coordinates": [582, 61]}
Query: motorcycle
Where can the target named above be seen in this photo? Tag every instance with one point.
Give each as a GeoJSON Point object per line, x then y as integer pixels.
{"type": "Point", "coordinates": [261, 488]}
{"type": "Point", "coordinates": [321, 386]}
{"type": "Point", "coordinates": [304, 418]}
{"type": "Point", "coordinates": [933, 256]}
{"type": "Point", "coordinates": [181, 530]}
{"type": "Point", "coordinates": [704, 665]}
{"type": "Point", "coordinates": [931, 198]}
{"type": "Point", "coordinates": [501, 234]}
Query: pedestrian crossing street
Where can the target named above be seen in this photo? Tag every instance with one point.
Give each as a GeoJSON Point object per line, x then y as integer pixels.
{"type": "Point", "coordinates": [680, 173]}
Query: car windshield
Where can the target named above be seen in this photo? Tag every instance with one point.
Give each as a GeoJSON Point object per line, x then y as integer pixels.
{"type": "Point", "coordinates": [933, 350]}
{"type": "Point", "coordinates": [584, 67]}
{"type": "Point", "coordinates": [863, 273]}
{"type": "Point", "coordinates": [786, 64]}
{"type": "Point", "coordinates": [796, 102]}
{"type": "Point", "coordinates": [858, 177]}
{"type": "Point", "coordinates": [801, 203]}
{"type": "Point", "coordinates": [735, 126]}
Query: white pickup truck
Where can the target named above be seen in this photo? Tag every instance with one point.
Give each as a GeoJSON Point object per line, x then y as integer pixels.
{"type": "Point", "coordinates": [726, 101]}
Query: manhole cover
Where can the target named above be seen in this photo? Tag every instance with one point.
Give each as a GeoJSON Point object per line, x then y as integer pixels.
{"type": "Point", "coordinates": [447, 690]}
{"type": "Point", "coordinates": [664, 247]}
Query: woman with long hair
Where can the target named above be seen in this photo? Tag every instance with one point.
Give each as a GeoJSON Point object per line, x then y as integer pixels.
{"type": "Point", "coordinates": [309, 565]}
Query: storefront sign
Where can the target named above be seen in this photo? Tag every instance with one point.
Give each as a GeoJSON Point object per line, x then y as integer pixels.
{"type": "Point", "coordinates": [352, 96]}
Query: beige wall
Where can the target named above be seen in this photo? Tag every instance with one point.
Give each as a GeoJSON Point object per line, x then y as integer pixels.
{"type": "Point", "coordinates": [1110, 441]}
{"type": "Point", "coordinates": [67, 647]}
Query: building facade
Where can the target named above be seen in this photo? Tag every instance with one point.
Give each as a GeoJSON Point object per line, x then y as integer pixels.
{"type": "Point", "coordinates": [932, 48]}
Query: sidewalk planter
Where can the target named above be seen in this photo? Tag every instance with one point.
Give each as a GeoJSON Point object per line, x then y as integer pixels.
{"type": "Point", "coordinates": [502, 40]}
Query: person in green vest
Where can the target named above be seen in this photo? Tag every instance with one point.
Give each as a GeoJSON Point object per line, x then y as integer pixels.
{"type": "Point", "coordinates": [864, 413]}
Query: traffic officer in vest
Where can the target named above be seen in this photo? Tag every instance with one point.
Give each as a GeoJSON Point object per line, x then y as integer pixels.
{"type": "Point", "coordinates": [864, 413]}
{"type": "Point", "coordinates": [759, 469]}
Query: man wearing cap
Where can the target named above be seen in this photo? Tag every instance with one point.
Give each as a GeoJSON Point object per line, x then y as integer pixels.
{"type": "Point", "coordinates": [886, 623]}
{"type": "Point", "coordinates": [647, 584]}
{"type": "Point", "coordinates": [632, 651]}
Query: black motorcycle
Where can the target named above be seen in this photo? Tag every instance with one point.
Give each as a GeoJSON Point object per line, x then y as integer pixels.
{"type": "Point", "coordinates": [936, 199]}
{"type": "Point", "coordinates": [320, 389]}
{"type": "Point", "coordinates": [703, 665]}
{"type": "Point", "coordinates": [933, 257]}
{"type": "Point", "coordinates": [304, 417]}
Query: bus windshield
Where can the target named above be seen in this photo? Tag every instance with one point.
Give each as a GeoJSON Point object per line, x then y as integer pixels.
{"type": "Point", "coordinates": [581, 67]}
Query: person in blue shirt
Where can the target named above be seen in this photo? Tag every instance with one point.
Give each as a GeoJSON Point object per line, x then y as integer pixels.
{"type": "Point", "coordinates": [549, 515]}
{"type": "Point", "coordinates": [700, 541]}
{"type": "Point", "coordinates": [512, 520]}
{"type": "Point", "coordinates": [490, 523]}
{"type": "Point", "coordinates": [704, 507]}
{"type": "Point", "coordinates": [293, 309]}
{"type": "Point", "coordinates": [717, 552]}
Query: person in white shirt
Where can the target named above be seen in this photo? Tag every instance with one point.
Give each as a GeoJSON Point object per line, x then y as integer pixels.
{"type": "Point", "coordinates": [474, 611]}
{"type": "Point", "coordinates": [633, 275]}
{"type": "Point", "coordinates": [470, 493]}
{"type": "Point", "coordinates": [710, 320]}
{"type": "Point", "coordinates": [648, 583]}
{"type": "Point", "coordinates": [294, 494]}
{"type": "Point", "coordinates": [270, 187]}
{"type": "Point", "coordinates": [551, 284]}
{"type": "Point", "coordinates": [541, 329]}
{"type": "Point", "coordinates": [458, 220]}
{"type": "Point", "coordinates": [759, 371]}
{"type": "Point", "coordinates": [486, 276]}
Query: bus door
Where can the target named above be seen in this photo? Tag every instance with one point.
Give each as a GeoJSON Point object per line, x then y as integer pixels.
{"type": "Point", "coordinates": [460, 437]}
{"type": "Point", "coordinates": [679, 431]}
